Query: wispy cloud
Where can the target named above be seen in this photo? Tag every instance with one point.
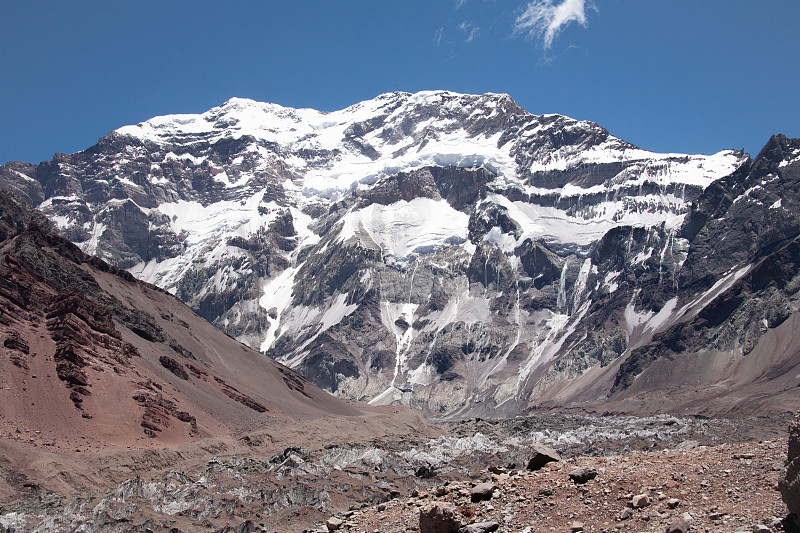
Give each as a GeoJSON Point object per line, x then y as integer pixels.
{"type": "Point", "coordinates": [437, 36]}
{"type": "Point", "coordinates": [545, 19]}
{"type": "Point", "coordinates": [470, 30]}
{"type": "Point", "coordinates": [460, 3]}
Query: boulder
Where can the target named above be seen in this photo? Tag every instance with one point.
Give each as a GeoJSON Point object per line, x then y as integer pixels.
{"type": "Point", "coordinates": [640, 501]}
{"type": "Point", "coordinates": [481, 492]}
{"type": "Point", "coordinates": [541, 456]}
{"type": "Point", "coordinates": [480, 527]}
{"type": "Point", "coordinates": [794, 438]}
{"type": "Point", "coordinates": [582, 475]}
{"type": "Point", "coordinates": [334, 523]}
{"type": "Point", "coordinates": [789, 482]}
{"type": "Point", "coordinates": [672, 503]}
{"type": "Point", "coordinates": [439, 518]}
{"type": "Point", "coordinates": [425, 471]}
{"type": "Point", "coordinates": [678, 526]}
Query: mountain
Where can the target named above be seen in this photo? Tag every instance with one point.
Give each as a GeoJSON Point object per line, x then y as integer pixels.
{"type": "Point", "coordinates": [454, 253]}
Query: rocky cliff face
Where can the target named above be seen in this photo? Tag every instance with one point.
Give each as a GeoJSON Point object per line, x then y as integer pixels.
{"type": "Point", "coordinates": [452, 252]}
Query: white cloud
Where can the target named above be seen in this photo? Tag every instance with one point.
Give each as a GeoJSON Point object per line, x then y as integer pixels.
{"type": "Point", "coordinates": [545, 18]}
{"type": "Point", "coordinates": [470, 30]}
{"type": "Point", "coordinates": [437, 36]}
{"type": "Point", "coordinates": [460, 3]}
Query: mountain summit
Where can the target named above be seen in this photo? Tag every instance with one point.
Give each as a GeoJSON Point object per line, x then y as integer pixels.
{"type": "Point", "coordinates": [454, 252]}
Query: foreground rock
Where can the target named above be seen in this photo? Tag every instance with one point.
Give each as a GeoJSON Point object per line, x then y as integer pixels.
{"type": "Point", "coordinates": [678, 526]}
{"type": "Point", "coordinates": [480, 527]}
{"type": "Point", "coordinates": [790, 480]}
{"type": "Point", "coordinates": [439, 518]}
{"type": "Point", "coordinates": [583, 475]}
{"type": "Point", "coordinates": [482, 492]}
{"type": "Point", "coordinates": [541, 456]}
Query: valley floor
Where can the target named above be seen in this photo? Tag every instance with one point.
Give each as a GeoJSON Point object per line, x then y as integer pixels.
{"type": "Point", "coordinates": [716, 474]}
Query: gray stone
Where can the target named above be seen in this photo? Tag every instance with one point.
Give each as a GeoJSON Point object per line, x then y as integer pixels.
{"type": "Point", "coordinates": [583, 475]}
{"type": "Point", "coordinates": [678, 526]}
{"type": "Point", "coordinates": [480, 527]}
{"type": "Point", "coordinates": [640, 501]}
{"type": "Point", "coordinates": [439, 518]}
{"type": "Point", "coordinates": [672, 503]}
{"type": "Point", "coordinates": [334, 523]}
{"type": "Point", "coordinates": [482, 492]}
{"type": "Point", "coordinates": [541, 456]}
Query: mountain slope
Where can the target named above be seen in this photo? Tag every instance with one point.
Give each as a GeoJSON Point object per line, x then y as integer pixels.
{"type": "Point", "coordinates": [103, 377]}
{"type": "Point", "coordinates": [450, 252]}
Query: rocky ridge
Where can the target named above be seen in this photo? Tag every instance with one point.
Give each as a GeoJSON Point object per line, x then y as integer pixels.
{"type": "Point", "coordinates": [455, 253]}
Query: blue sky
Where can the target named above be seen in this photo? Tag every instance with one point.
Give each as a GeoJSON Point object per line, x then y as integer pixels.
{"type": "Point", "coordinates": [692, 76]}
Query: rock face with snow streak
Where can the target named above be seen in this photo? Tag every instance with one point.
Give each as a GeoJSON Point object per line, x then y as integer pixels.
{"type": "Point", "coordinates": [450, 252]}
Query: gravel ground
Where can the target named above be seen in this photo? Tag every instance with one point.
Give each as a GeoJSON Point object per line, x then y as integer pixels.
{"type": "Point", "coordinates": [729, 487]}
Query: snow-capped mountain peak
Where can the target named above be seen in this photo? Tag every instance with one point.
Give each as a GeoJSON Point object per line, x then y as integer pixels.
{"type": "Point", "coordinates": [436, 249]}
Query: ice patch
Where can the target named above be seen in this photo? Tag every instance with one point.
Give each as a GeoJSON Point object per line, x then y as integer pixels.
{"type": "Point", "coordinates": [561, 300]}
{"type": "Point", "coordinates": [610, 281]}
{"type": "Point", "coordinates": [203, 223]}
{"type": "Point", "coordinates": [544, 346]}
{"type": "Point", "coordinates": [580, 283]}
{"type": "Point", "coordinates": [303, 317]}
{"type": "Point", "coordinates": [404, 228]}
{"type": "Point", "coordinates": [656, 322]}
{"type": "Point", "coordinates": [633, 318]}
{"type": "Point", "coordinates": [461, 308]}
{"type": "Point", "coordinates": [504, 241]}
{"type": "Point", "coordinates": [391, 314]}
{"type": "Point", "coordinates": [643, 256]}
{"type": "Point", "coordinates": [276, 293]}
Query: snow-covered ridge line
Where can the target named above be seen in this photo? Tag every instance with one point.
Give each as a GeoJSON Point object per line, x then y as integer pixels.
{"type": "Point", "coordinates": [273, 122]}
{"type": "Point", "coordinates": [340, 151]}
